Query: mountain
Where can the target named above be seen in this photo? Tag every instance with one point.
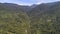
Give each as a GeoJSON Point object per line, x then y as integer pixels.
{"type": "Point", "coordinates": [45, 18]}
{"type": "Point", "coordinates": [11, 6]}
{"type": "Point", "coordinates": [13, 19]}
{"type": "Point", "coordinates": [36, 19]}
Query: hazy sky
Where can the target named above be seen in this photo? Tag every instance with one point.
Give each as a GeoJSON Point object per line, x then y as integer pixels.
{"type": "Point", "coordinates": [27, 2]}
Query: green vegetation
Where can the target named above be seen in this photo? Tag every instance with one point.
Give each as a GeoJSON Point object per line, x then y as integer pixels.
{"type": "Point", "coordinates": [43, 19]}
{"type": "Point", "coordinates": [13, 23]}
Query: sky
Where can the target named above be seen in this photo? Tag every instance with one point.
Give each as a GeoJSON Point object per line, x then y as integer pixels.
{"type": "Point", "coordinates": [27, 2]}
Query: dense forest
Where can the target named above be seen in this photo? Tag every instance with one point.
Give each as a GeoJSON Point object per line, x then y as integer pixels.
{"type": "Point", "coordinates": [36, 19]}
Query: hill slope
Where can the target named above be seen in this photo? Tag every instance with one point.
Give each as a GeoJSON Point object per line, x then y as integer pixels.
{"type": "Point", "coordinates": [45, 18]}
{"type": "Point", "coordinates": [36, 19]}
{"type": "Point", "coordinates": [13, 20]}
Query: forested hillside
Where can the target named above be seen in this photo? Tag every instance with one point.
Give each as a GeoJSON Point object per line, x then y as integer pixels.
{"type": "Point", "coordinates": [13, 20]}
{"type": "Point", "coordinates": [36, 19]}
{"type": "Point", "coordinates": [45, 18]}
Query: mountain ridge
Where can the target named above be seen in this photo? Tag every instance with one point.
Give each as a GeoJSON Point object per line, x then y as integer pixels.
{"type": "Point", "coordinates": [36, 19]}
